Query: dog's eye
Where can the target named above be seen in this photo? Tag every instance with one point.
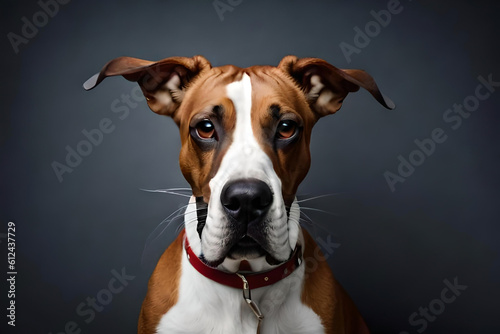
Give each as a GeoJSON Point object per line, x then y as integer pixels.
{"type": "Point", "coordinates": [286, 129]}
{"type": "Point", "coordinates": [205, 129]}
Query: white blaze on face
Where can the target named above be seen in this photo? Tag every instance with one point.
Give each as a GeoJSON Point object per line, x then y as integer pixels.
{"type": "Point", "coordinates": [245, 159]}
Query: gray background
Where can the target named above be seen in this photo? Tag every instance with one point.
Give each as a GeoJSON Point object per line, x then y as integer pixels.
{"type": "Point", "coordinates": [393, 250]}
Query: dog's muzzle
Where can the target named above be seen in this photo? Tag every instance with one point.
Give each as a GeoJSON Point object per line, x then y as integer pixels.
{"type": "Point", "coordinates": [246, 203]}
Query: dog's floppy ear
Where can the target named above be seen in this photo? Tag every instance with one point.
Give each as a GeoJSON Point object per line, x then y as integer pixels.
{"type": "Point", "coordinates": [326, 86]}
{"type": "Point", "coordinates": [163, 82]}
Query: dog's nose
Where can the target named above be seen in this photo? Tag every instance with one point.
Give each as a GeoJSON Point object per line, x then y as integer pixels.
{"type": "Point", "coordinates": [246, 200]}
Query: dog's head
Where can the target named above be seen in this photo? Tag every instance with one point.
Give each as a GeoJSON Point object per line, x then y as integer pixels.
{"type": "Point", "coordinates": [245, 144]}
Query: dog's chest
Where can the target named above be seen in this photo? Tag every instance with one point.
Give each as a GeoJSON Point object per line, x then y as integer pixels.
{"type": "Point", "coordinates": [208, 307]}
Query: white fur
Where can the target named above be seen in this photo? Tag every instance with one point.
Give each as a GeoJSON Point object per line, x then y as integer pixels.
{"type": "Point", "coordinates": [165, 94]}
{"type": "Point", "coordinates": [323, 96]}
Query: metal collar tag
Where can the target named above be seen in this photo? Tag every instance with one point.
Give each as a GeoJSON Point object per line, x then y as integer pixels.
{"type": "Point", "coordinates": [248, 298]}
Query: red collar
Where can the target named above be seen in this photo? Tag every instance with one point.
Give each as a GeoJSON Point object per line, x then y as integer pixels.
{"type": "Point", "coordinates": [255, 280]}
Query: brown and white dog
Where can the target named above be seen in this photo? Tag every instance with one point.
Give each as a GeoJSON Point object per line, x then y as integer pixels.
{"type": "Point", "coordinates": [245, 136]}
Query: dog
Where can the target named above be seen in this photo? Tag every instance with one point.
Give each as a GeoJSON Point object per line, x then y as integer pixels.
{"type": "Point", "coordinates": [243, 264]}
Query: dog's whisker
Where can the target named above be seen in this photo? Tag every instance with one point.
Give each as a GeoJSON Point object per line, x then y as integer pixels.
{"type": "Point", "coordinates": [169, 220]}
{"type": "Point", "coordinates": [306, 219]}
{"type": "Point", "coordinates": [173, 215]}
{"type": "Point", "coordinates": [179, 228]}
{"type": "Point", "coordinates": [314, 209]}
{"type": "Point", "coordinates": [302, 213]}
{"type": "Point", "coordinates": [318, 197]}
{"type": "Point", "coordinates": [189, 190]}
{"type": "Point", "coordinates": [172, 191]}
{"type": "Point", "coordinates": [307, 222]}
{"type": "Point", "coordinates": [189, 222]}
{"type": "Point", "coordinates": [319, 210]}
{"type": "Point", "coordinates": [182, 215]}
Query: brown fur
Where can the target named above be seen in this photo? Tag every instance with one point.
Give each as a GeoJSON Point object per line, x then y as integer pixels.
{"type": "Point", "coordinates": [163, 288]}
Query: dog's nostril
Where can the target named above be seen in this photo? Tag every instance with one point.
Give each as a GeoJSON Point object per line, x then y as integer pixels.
{"type": "Point", "coordinates": [246, 200]}
{"type": "Point", "coordinates": [232, 205]}
{"type": "Point", "coordinates": [262, 201]}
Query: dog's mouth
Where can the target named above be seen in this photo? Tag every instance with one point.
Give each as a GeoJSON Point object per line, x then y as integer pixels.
{"type": "Point", "coordinates": [246, 248]}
